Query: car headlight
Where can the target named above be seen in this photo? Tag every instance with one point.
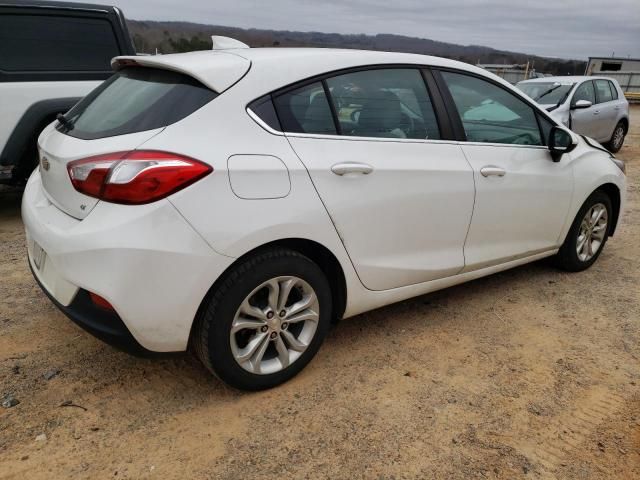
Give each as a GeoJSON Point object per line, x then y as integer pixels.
{"type": "Point", "coordinates": [620, 164]}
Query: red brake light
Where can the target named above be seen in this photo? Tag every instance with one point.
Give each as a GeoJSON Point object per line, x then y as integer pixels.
{"type": "Point", "coordinates": [136, 177]}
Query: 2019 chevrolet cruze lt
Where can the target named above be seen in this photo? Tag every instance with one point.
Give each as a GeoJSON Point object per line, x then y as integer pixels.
{"type": "Point", "coordinates": [238, 201]}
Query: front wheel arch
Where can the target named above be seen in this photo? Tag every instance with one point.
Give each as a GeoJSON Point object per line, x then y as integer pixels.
{"type": "Point", "coordinates": [613, 192]}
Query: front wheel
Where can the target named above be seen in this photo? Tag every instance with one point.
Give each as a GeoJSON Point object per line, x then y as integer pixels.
{"type": "Point", "coordinates": [587, 235]}
{"type": "Point", "coordinates": [265, 321]}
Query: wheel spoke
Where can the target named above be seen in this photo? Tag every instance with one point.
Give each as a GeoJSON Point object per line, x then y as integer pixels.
{"type": "Point", "coordinates": [305, 315]}
{"type": "Point", "coordinates": [301, 305]}
{"type": "Point", "coordinates": [274, 293]}
{"type": "Point", "coordinates": [293, 342]}
{"type": "Point", "coordinates": [242, 323]}
{"type": "Point", "coordinates": [283, 352]}
{"type": "Point", "coordinates": [285, 290]}
{"type": "Point", "coordinates": [252, 347]}
{"type": "Point", "coordinates": [252, 311]}
{"type": "Point", "coordinates": [598, 214]}
{"type": "Point", "coordinates": [257, 358]}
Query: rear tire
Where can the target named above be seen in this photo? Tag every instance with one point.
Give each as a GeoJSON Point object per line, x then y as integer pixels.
{"type": "Point", "coordinates": [239, 314]}
{"type": "Point", "coordinates": [588, 234]}
{"type": "Point", "coordinates": [617, 138]}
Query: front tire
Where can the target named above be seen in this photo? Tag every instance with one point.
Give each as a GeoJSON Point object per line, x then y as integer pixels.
{"type": "Point", "coordinates": [588, 234]}
{"type": "Point", "coordinates": [264, 321]}
{"type": "Point", "coordinates": [617, 139]}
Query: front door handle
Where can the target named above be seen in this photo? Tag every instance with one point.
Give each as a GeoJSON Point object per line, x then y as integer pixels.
{"type": "Point", "coordinates": [351, 167]}
{"type": "Point", "coordinates": [492, 171]}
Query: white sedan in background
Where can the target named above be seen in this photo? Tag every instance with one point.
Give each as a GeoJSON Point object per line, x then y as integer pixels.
{"type": "Point", "coordinates": [238, 201]}
{"type": "Point", "coordinates": [591, 106]}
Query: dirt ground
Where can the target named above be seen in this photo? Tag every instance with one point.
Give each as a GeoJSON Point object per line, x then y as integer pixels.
{"type": "Point", "coordinates": [531, 373]}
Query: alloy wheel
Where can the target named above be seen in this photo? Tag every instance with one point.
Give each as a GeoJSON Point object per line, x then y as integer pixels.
{"type": "Point", "coordinates": [274, 325]}
{"type": "Point", "coordinates": [618, 137]}
{"type": "Point", "coordinates": [592, 232]}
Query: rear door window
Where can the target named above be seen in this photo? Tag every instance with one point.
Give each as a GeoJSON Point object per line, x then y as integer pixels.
{"type": "Point", "coordinates": [388, 103]}
{"type": "Point", "coordinates": [614, 91]}
{"type": "Point", "coordinates": [603, 90]}
{"type": "Point", "coordinates": [305, 110]}
{"type": "Point", "coordinates": [51, 43]}
{"type": "Point", "coordinates": [136, 99]}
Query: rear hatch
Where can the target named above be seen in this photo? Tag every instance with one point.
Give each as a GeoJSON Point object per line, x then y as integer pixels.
{"type": "Point", "coordinates": [128, 109]}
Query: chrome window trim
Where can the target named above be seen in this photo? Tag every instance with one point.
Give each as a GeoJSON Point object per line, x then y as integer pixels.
{"type": "Point", "coordinates": [272, 131]}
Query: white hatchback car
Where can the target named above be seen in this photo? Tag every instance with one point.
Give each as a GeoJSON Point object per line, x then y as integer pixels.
{"type": "Point", "coordinates": [238, 201]}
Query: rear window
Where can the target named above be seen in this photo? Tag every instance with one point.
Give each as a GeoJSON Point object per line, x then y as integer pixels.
{"type": "Point", "coordinates": [45, 43]}
{"type": "Point", "coordinates": [136, 99]}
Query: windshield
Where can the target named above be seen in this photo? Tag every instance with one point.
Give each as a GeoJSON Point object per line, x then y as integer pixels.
{"type": "Point", "coordinates": [546, 92]}
{"type": "Point", "coordinates": [133, 100]}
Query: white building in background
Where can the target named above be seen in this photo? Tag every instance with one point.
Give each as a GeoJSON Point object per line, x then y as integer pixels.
{"type": "Point", "coordinates": [625, 70]}
{"type": "Point", "coordinates": [605, 65]}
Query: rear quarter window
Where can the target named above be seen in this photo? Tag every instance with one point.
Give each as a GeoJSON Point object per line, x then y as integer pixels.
{"type": "Point", "coordinates": [136, 99]}
{"type": "Point", "coordinates": [52, 43]}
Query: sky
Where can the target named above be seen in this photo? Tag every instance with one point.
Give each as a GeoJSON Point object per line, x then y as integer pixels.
{"type": "Point", "coordinates": [562, 28]}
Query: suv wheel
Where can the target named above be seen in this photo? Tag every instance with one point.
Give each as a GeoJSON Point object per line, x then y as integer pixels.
{"type": "Point", "coordinates": [265, 321]}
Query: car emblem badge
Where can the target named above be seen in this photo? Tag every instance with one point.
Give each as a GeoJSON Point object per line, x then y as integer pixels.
{"type": "Point", "coordinates": [45, 163]}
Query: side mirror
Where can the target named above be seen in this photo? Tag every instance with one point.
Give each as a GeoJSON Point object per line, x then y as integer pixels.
{"type": "Point", "coordinates": [561, 141]}
{"type": "Point", "coordinates": [580, 104]}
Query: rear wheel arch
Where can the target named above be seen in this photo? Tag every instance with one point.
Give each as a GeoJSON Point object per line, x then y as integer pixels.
{"type": "Point", "coordinates": [318, 253]}
{"type": "Point", "coordinates": [20, 149]}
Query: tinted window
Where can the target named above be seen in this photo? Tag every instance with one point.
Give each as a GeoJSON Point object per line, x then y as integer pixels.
{"type": "Point", "coordinates": [38, 43]}
{"type": "Point", "coordinates": [263, 108]}
{"type": "Point", "coordinates": [604, 91]}
{"type": "Point", "coordinates": [136, 99]}
{"type": "Point", "coordinates": [545, 126]}
{"type": "Point", "coordinates": [490, 113]}
{"type": "Point", "coordinates": [614, 91]}
{"type": "Point", "coordinates": [584, 91]}
{"type": "Point", "coordinates": [305, 110]}
{"type": "Point", "coordinates": [392, 103]}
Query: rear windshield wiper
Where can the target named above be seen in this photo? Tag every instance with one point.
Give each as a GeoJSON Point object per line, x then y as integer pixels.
{"type": "Point", "coordinates": [64, 121]}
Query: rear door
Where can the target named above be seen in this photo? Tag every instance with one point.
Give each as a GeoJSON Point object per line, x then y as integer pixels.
{"type": "Point", "coordinates": [608, 112]}
{"type": "Point", "coordinates": [522, 196]}
{"type": "Point", "coordinates": [400, 195]}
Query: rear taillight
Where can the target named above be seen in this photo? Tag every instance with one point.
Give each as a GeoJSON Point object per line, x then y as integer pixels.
{"type": "Point", "coordinates": [136, 177]}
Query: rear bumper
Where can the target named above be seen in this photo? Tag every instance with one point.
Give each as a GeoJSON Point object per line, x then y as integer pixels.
{"type": "Point", "coordinates": [102, 324]}
{"type": "Point", "coordinates": [146, 261]}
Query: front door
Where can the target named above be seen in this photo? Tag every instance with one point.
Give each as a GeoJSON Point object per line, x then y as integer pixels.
{"type": "Point", "coordinates": [400, 198]}
{"type": "Point", "coordinates": [522, 196]}
{"type": "Point", "coordinates": [585, 120]}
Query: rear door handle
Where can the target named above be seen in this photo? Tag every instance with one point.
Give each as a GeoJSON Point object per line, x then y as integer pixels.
{"type": "Point", "coordinates": [351, 167]}
{"type": "Point", "coordinates": [492, 171]}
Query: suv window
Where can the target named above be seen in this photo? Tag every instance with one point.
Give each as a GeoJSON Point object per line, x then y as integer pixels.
{"type": "Point", "coordinates": [490, 113]}
{"type": "Point", "coordinates": [305, 110]}
{"type": "Point", "coordinates": [392, 103]}
{"type": "Point", "coordinates": [585, 91]}
{"type": "Point", "coordinates": [136, 99]}
{"type": "Point", "coordinates": [603, 88]}
{"type": "Point", "coordinates": [44, 43]}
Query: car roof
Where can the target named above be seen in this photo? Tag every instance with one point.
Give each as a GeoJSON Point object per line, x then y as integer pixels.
{"type": "Point", "coordinates": [565, 79]}
{"type": "Point", "coordinates": [266, 64]}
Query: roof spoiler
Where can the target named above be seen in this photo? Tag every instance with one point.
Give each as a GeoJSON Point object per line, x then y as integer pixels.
{"type": "Point", "coordinates": [225, 43]}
